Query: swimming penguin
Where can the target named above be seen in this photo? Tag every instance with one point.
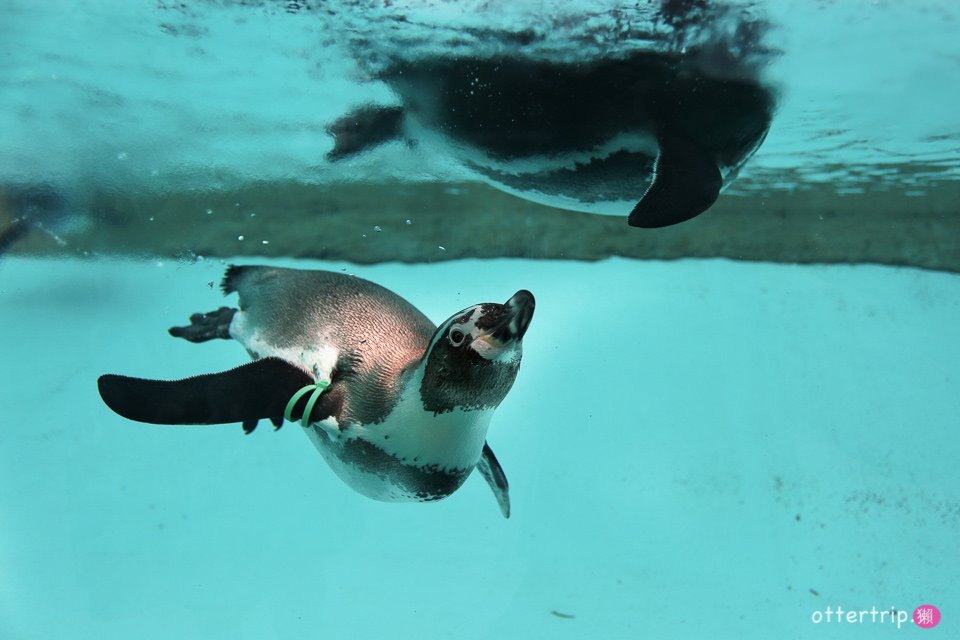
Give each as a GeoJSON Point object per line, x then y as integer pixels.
{"type": "Point", "coordinates": [399, 408]}
{"type": "Point", "coordinates": [646, 134]}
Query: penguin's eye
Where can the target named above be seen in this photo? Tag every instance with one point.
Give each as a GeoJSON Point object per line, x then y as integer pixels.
{"type": "Point", "coordinates": [456, 337]}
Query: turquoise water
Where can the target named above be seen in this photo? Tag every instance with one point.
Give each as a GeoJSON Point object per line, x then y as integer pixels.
{"type": "Point", "coordinates": [694, 459]}
{"type": "Point", "coordinates": [98, 90]}
{"type": "Point", "coordinates": [695, 448]}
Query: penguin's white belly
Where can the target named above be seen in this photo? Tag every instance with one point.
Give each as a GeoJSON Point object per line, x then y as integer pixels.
{"type": "Point", "coordinates": [409, 457]}
{"type": "Point", "coordinates": [412, 455]}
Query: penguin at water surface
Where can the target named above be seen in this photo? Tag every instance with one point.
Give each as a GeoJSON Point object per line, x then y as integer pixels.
{"type": "Point", "coordinates": [649, 135]}
{"type": "Point", "coordinates": [399, 408]}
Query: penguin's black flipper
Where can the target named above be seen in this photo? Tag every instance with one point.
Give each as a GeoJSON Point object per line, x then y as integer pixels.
{"type": "Point", "coordinates": [493, 473]}
{"type": "Point", "coordinates": [206, 326]}
{"type": "Point", "coordinates": [363, 129]}
{"type": "Point", "coordinates": [686, 181]}
{"type": "Point", "coordinates": [260, 389]}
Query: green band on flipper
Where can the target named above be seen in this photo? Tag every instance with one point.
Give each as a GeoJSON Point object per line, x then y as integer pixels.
{"type": "Point", "coordinates": [317, 388]}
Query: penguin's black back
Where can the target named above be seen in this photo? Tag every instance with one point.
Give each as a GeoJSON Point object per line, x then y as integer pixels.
{"type": "Point", "coordinates": [379, 335]}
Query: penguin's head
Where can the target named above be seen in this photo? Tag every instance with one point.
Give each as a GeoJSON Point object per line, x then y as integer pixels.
{"type": "Point", "coordinates": [475, 354]}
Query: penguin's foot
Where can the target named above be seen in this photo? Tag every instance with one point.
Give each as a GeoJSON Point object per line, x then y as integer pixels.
{"type": "Point", "coordinates": [363, 129]}
{"type": "Point", "coordinates": [250, 425]}
{"type": "Point", "coordinates": [206, 326]}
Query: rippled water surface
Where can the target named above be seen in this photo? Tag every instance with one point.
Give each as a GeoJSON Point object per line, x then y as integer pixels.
{"type": "Point", "coordinates": [209, 91]}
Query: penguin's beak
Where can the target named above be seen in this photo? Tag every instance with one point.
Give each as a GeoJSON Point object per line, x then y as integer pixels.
{"type": "Point", "coordinates": [517, 313]}
{"type": "Point", "coordinates": [502, 328]}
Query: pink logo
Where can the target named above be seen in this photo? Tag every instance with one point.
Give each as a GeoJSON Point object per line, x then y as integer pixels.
{"type": "Point", "coordinates": [926, 616]}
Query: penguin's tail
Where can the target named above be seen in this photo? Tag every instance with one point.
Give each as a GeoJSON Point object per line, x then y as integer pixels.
{"type": "Point", "coordinates": [231, 279]}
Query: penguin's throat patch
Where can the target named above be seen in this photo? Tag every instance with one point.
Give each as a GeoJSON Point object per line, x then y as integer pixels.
{"type": "Point", "coordinates": [449, 382]}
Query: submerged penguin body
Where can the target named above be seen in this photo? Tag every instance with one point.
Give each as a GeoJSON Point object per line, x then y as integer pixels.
{"type": "Point", "coordinates": [405, 414]}
{"type": "Point", "coordinates": [649, 135]}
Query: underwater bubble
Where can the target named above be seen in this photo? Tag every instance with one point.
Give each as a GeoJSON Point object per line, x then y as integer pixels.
{"type": "Point", "coordinates": [239, 237]}
{"type": "Point", "coordinates": [123, 155]}
{"type": "Point", "coordinates": [377, 228]}
{"type": "Point", "coordinates": [186, 257]}
{"type": "Point", "coordinates": [209, 212]}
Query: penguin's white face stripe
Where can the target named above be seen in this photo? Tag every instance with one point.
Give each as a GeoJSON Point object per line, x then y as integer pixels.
{"type": "Point", "coordinates": [480, 341]}
{"type": "Point", "coordinates": [466, 324]}
{"type": "Point", "coordinates": [484, 344]}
